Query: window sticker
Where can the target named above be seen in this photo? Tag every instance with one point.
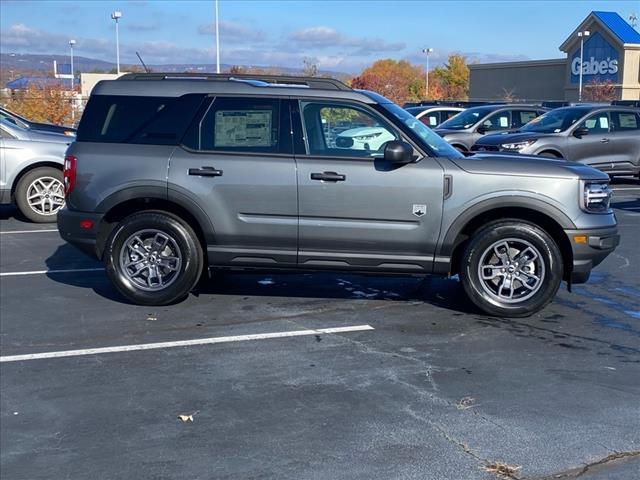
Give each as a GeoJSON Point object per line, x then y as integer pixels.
{"type": "Point", "coordinates": [243, 128]}
{"type": "Point", "coordinates": [504, 122]}
{"type": "Point", "coordinates": [604, 122]}
{"type": "Point", "coordinates": [628, 120]}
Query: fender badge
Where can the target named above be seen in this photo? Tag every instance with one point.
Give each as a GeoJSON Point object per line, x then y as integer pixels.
{"type": "Point", "coordinates": [419, 210]}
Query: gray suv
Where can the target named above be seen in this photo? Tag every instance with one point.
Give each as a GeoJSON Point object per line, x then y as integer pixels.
{"type": "Point", "coordinates": [605, 137]}
{"type": "Point", "coordinates": [467, 127]}
{"type": "Point", "coordinates": [170, 175]}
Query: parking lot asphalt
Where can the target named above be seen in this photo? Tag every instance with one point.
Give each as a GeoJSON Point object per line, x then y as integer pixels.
{"type": "Point", "coordinates": [423, 386]}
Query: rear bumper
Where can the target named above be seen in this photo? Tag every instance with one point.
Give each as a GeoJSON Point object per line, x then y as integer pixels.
{"type": "Point", "coordinates": [591, 250]}
{"type": "Point", "coordinates": [82, 238]}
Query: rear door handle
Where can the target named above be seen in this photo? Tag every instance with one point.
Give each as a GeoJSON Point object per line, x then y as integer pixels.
{"type": "Point", "coordinates": [329, 177]}
{"type": "Point", "coordinates": [205, 172]}
{"type": "Point", "coordinates": [604, 140]}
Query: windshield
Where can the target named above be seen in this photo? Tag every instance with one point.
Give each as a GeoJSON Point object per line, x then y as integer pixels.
{"type": "Point", "coordinates": [555, 121]}
{"type": "Point", "coordinates": [466, 119]}
{"type": "Point", "coordinates": [438, 146]}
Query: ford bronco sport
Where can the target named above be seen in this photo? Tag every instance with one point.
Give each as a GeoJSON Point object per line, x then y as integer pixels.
{"type": "Point", "coordinates": [171, 174]}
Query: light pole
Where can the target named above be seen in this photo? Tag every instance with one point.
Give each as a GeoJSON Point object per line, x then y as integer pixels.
{"type": "Point", "coordinates": [217, 40]}
{"type": "Point", "coordinates": [72, 42]}
{"type": "Point", "coordinates": [427, 51]}
{"type": "Point", "coordinates": [581, 35]}
{"type": "Point", "coordinates": [116, 16]}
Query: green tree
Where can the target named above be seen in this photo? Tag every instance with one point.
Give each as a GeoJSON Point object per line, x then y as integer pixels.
{"type": "Point", "coordinates": [453, 78]}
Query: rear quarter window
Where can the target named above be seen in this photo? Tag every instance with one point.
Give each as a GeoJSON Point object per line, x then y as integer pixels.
{"type": "Point", "coordinates": [142, 120]}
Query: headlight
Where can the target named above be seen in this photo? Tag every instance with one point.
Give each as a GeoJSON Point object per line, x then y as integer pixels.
{"type": "Point", "coordinates": [517, 146]}
{"type": "Point", "coordinates": [364, 138]}
{"type": "Point", "coordinates": [595, 196]}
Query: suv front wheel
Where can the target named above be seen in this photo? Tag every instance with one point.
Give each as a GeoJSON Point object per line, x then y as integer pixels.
{"type": "Point", "coordinates": [153, 258]}
{"type": "Point", "coordinates": [511, 268]}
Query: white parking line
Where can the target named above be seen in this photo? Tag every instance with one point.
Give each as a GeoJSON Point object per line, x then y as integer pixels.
{"type": "Point", "coordinates": [618, 189]}
{"type": "Point", "coordinates": [28, 231]}
{"type": "Point", "coordinates": [183, 343]}
{"type": "Point", "coordinates": [43, 272]}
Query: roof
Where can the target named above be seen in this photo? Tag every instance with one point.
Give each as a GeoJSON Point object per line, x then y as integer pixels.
{"type": "Point", "coordinates": [618, 26]}
{"type": "Point", "coordinates": [175, 85]}
{"type": "Point", "coordinates": [24, 82]}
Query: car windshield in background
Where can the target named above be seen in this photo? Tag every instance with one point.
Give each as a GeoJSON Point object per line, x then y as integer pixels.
{"type": "Point", "coordinates": [435, 142]}
{"type": "Point", "coordinates": [466, 119]}
{"type": "Point", "coordinates": [555, 121]}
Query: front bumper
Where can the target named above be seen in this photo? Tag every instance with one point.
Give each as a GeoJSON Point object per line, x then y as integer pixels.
{"type": "Point", "coordinates": [590, 247]}
{"type": "Point", "coordinates": [82, 238]}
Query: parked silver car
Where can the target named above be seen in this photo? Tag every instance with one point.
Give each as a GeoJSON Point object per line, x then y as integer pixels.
{"type": "Point", "coordinates": [603, 136]}
{"type": "Point", "coordinates": [31, 171]}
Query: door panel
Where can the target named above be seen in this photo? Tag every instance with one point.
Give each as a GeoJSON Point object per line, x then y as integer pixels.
{"type": "Point", "coordinates": [595, 147]}
{"type": "Point", "coordinates": [371, 215]}
{"type": "Point", "coordinates": [239, 176]}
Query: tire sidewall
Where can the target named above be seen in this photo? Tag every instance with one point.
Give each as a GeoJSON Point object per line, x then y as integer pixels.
{"type": "Point", "coordinates": [541, 241]}
{"type": "Point", "coordinates": [186, 242]}
{"type": "Point", "coordinates": [22, 191]}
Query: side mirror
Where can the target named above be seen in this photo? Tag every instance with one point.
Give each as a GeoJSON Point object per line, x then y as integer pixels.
{"type": "Point", "coordinates": [482, 129]}
{"type": "Point", "coordinates": [580, 132]}
{"type": "Point", "coordinates": [398, 153]}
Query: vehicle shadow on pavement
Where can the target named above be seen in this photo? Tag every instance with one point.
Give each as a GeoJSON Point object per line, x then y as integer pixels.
{"type": "Point", "coordinates": [8, 212]}
{"type": "Point", "coordinates": [437, 291]}
{"type": "Point", "coordinates": [630, 205]}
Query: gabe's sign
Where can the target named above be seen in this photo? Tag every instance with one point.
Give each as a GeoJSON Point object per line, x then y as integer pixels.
{"type": "Point", "coordinates": [599, 61]}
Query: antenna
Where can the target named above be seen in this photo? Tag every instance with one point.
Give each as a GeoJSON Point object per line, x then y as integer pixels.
{"type": "Point", "coordinates": [142, 62]}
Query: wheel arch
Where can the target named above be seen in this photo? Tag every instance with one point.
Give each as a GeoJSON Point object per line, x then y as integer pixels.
{"type": "Point", "coordinates": [117, 208]}
{"type": "Point", "coordinates": [32, 166]}
{"type": "Point", "coordinates": [553, 151]}
{"type": "Point", "coordinates": [550, 219]}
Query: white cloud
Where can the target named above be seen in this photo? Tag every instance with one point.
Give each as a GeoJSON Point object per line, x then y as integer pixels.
{"type": "Point", "coordinates": [321, 37]}
{"type": "Point", "coordinates": [233, 32]}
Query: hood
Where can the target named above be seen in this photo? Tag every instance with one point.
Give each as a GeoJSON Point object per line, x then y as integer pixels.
{"type": "Point", "coordinates": [447, 131]}
{"type": "Point", "coordinates": [527, 166]}
{"type": "Point", "coordinates": [500, 138]}
{"type": "Point", "coordinates": [40, 136]}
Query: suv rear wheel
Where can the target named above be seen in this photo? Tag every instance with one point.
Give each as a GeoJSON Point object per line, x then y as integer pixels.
{"type": "Point", "coordinates": [40, 194]}
{"type": "Point", "coordinates": [153, 258]}
{"type": "Point", "coordinates": [511, 268]}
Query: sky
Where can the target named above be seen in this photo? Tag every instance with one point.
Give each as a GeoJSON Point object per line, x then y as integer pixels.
{"type": "Point", "coordinates": [340, 36]}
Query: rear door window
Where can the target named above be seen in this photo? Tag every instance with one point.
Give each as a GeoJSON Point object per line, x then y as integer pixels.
{"type": "Point", "coordinates": [431, 119]}
{"type": "Point", "coordinates": [625, 121]}
{"type": "Point", "coordinates": [235, 124]}
{"type": "Point", "coordinates": [522, 117]}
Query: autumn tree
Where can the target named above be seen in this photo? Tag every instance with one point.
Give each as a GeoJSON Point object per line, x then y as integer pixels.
{"type": "Point", "coordinates": [40, 103]}
{"type": "Point", "coordinates": [452, 78]}
{"type": "Point", "coordinates": [399, 81]}
{"type": "Point", "coordinates": [310, 68]}
{"type": "Point", "coordinates": [597, 91]}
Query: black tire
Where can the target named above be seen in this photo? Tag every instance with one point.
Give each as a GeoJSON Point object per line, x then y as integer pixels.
{"type": "Point", "coordinates": [185, 243]}
{"type": "Point", "coordinates": [549, 268]}
{"type": "Point", "coordinates": [49, 213]}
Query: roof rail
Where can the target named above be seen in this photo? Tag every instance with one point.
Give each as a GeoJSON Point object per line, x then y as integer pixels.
{"type": "Point", "coordinates": [321, 83]}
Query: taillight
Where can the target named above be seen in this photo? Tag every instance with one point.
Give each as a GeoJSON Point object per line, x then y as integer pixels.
{"type": "Point", "coordinates": [69, 173]}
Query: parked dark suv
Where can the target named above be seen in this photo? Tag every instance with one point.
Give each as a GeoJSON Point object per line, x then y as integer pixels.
{"type": "Point", "coordinates": [466, 128]}
{"type": "Point", "coordinates": [173, 174]}
{"type": "Point", "coordinates": [603, 136]}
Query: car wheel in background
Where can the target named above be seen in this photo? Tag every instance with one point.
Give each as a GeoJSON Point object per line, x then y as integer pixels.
{"type": "Point", "coordinates": [511, 268]}
{"type": "Point", "coordinates": [153, 258]}
{"type": "Point", "coordinates": [40, 194]}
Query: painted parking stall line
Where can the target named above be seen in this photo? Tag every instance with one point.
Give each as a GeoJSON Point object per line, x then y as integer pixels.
{"type": "Point", "coordinates": [45, 272]}
{"type": "Point", "coordinates": [16, 232]}
{"type": "Point", "coordinates": [182, 343]}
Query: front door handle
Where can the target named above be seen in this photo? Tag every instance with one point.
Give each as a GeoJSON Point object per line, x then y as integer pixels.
{"type": "Point", "coordinates": [205, 172]}
{"type": "Point", "coordinates": [329, 177]}
{"type": "Point", "coordinates": [604, 140]}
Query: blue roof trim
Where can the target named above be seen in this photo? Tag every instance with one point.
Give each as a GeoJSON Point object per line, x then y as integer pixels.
{"type": "Point", "coordinates": [618, 26]}
{"type": "Point", "coordinates": [24, 82]}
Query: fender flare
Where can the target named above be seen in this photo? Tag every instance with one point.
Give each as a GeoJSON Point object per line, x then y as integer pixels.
{"type": "Point", "coordinates": [447, 244]}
